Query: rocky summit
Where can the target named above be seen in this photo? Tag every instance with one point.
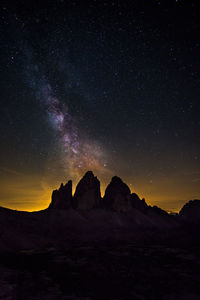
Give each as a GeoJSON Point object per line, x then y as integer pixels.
{"type": "Point", "coordinates": [117, 195]}
{"type": "Point", "coordinates": [191, 211]}
{"type": "Point", "coordinates": [137, 203]}
{"type": "Point", "coordinates": [62, 198]}
{"type": "Point", "coordinates": [87, 195]}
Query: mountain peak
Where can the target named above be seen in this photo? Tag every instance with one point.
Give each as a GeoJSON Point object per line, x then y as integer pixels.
{"type": "Point", "coordinates": [89, 174]}
{"type": "Point", "coordinates": [62, 198]}
{"type": "Point", "coordinates": [117, 195]}
{"type": "Point", "coordinates": [87, 194]}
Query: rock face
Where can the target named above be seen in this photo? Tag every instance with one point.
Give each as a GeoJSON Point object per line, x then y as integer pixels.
{"type": "Point", "coordinates": [117, 198]}
{"type": "Point", "coordinates": [62, 198]}
{"type": "Point", "coordinates": [191, 211]}
{"type": "Point", "coordinates": [141, 205]}
{"type": "Point", "coordinates": [136, 202]}
{"type": "Point", "coordinates": [117, 195]}
{"type": "Point", "coordinates": [87, 194]}
{"type": "Point", "coordinates": [157, 210]}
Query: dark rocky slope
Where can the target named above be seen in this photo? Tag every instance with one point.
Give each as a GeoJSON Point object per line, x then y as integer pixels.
{"type": "Point", "coordinates": [191, 211]}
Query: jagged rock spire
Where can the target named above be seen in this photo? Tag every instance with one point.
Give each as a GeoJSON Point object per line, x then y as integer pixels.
{"type": "Point", "coordinates": [117, 195]}
{"type": "Point", "coordinates": [62, 198]}
{"type": "Point", "coordinates": [87, 194]}
{"type": "Point", "coordinates": [136, 202]}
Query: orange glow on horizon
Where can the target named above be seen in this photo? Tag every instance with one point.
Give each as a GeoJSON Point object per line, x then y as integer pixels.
{"type": "Point", "coordinates": [33, 192]}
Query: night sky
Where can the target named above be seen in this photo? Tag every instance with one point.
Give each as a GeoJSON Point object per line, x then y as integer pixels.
{"type": "Point", "coordinates": [107, 86]}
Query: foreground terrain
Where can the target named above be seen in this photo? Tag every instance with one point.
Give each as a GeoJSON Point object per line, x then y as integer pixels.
{"type": "Point", "coordinates": [124, 271]}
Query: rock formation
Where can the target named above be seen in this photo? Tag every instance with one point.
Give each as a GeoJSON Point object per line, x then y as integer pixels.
{"type": "Point", "coordinates": [117, 196]}
{"type": "Point", "coordinates": [136, 202]}
{"type": "Point", "coordinates": [191, 211]}
{"type": "Point", "coordinates": [87, 194]}
{"type": "Point", "coordinates": [62, 198]}
{"type": "Point", "coordinates": [157, 210]}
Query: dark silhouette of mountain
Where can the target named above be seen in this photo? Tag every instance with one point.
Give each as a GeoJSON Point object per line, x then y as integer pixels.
{"type": "Point", "coordinates": [117, 198]}
{"type": "Point", "coordinates": [62, 198]}
{"type": "Point", "coordinates": [86, 216]}
{"type": "Point", "coordinates": [137, 203]}
{"type": "Point", "coordinates": [91, 247]}
{"type": "Point", "coordinates": [87, 194]}
{"type": "Point", "coordinates": [191, 211]}
{"type": "Point", "coordinates": [117, 195]}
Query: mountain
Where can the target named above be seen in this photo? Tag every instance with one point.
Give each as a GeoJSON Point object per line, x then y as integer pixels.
{"type": "Point", "coordinates": [87, 194]}
{"type": "Point", "coordinates": [85, 246]}
{"type": "Point", "coordinates": [62, 198]}
{"type": "Point", "coordinates": [87, 217]}
{"type": "Point", "coordinates": [117, 198]}
{"type": "Point", "coordinates": [191, 211]}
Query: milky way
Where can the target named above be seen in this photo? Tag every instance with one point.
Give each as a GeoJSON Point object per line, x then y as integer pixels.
{"type": "Point", "coordinates": [107, 87]}
{"type": "Point", "coordinates": [78, 153]}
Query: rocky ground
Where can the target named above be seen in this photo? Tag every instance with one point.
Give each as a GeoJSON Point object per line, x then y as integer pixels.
{"type": "Point", "coordinates": [118, 271]}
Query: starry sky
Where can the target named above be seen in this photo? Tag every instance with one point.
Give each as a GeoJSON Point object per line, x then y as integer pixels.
{"type": "Point", "coordinates": [107, 86]}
